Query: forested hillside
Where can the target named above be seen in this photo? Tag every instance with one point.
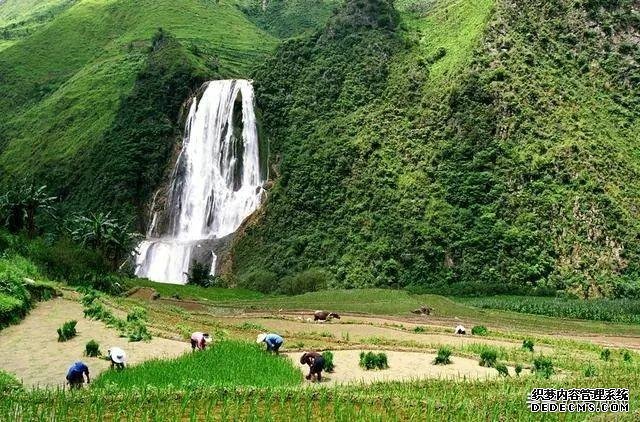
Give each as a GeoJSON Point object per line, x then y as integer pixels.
{"type": "Point", "coordinates": [458, 145]}
{"type": "Point", "coordinates": [92, 89]}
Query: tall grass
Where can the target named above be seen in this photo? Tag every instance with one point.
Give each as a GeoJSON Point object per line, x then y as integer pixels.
{"type": "Point", "coordinates": [228, 363]}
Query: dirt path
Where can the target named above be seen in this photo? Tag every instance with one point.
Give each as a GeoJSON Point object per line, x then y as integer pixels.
{"type": "Point", "coordinates": [403, 366]}
{"type": "Point", "coordinates": [32, 352]}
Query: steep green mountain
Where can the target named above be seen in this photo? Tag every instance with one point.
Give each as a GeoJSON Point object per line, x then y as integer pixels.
{"type": "Point", "coordinates": [92, 89]}
{"type": "Point", "coordinates": [458, 145]}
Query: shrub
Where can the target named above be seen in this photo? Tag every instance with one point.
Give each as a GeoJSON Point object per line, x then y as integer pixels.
{"type": "Point", "coordinates": [328, 361]}
{"type": "Point", "coordinates": [261, 281]}
{"type": "Point", "coordinates": [626, 356]}
{"type": "Point", "coordinates": [200, 275]}
{"type": "Point", "coordinates": [502, 369]}
{"type": "Point", "coordinates": [92, 349]}
{"type": "Point", "coordinates": [67, 331]}
{"type": "Point", "coordinates": [543, 367]}
{"type": "Point", "coordinates": [528, 345]}
{"type": "Point", "coordinates": [443, 357]}
{"type": "Point", "coordinates": [479, 330]}
{"type": "Point", "coordinates": [370, 360]}
{"type": "Point", "coordinates": [590, 371]}
{"type": "Point", "coordinates": [488, 358]}
{"type": "Point", "coordinates": [307, 281]}
{"type": "Point", "coordinates": [605, 355]}
{"type": "Point", "coordinates": [518, 369]}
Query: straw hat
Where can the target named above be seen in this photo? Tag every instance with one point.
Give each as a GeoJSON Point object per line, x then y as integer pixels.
{"type": "Point", "coordinates": [261, 338]}
{"type": "Point", "coordinates": [117, 355]}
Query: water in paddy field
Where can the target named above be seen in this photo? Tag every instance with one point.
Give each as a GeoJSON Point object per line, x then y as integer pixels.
{"type": "Point", "coordinates": [216, 184]}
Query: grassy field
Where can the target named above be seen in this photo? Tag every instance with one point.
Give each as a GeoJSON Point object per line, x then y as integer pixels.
{"type": "Point", "coordinates": [614, 310]}
{"type": "Point", "coordinates": [197, 292]}
{"type": "Point", "coordinates": [395, 303]}
{"type": "Point", "coordinates": [225, 364]}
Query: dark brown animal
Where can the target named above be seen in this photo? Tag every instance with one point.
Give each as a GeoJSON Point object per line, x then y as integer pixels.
{"type": "Point", "coordinates": [423, 310]}
{"type": "Point", "coordinates": [324, 316]}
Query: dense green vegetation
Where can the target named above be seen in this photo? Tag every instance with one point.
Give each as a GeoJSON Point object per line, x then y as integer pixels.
{"type": "Point", "coordinates": [8, 383]}
{"type": "Point", "coordinates": [92, 98]}
{"type": "Point", "coordinates": [21, 285]}
{"type": "Point", "coordinates": [618, 310]}
{"type": "Point", "coordinates": [288, 18]}
{"type": "Point", "coordinates": [462, 147]}
{"type": "Point", "coordinates": [432, 400]}
{"type": "Point", "coordinates": [226, 363]}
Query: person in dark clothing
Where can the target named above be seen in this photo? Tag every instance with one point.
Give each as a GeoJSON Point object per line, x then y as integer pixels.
{"type": "Point", "coordinates": [316, 364]}
{"type": "Point", "coordinates": [76, 374]}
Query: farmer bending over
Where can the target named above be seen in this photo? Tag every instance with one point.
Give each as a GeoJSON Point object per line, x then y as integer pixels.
{"type": "Point", "coordinates": [273, 341]}
{"type": "Point", "coordinates": [76, 374]}
{"type": "Point", "coordinates": [117, 357]}
{"type": "Point", "coordinates": [316, 364]}
{"type": "Point", "coordinates": [199, 340]}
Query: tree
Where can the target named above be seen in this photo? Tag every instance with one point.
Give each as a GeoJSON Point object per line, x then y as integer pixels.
{"type": "Point", "coordinates": [104, 234]}
{"type": "Point", "coordinates": [20, 207]}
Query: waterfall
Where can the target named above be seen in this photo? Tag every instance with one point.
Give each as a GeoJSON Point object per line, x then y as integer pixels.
{"type": "Point", "coordinates": [215, 185]}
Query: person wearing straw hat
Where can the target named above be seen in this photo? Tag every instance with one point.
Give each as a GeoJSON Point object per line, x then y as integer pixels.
{"type": "Point", "coordinates": [76, 374]}
{"type": "Point", "coordinates": [199, 340]}
{"type": "Point", "coordinates": [117, 357]}
{"type": "Point", "coordinates": [273, 341]}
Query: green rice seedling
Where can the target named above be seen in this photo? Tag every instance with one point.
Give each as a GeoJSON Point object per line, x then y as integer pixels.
{"type": "Point", "coordinates": [326, 334]}
{"type": "Point", "coordinates": [67, 331]}
{"type": "Point", "coordinates": [502, 369]}
{"type": "Point", "coordinates": [488, 357]}
{"type": "Point", "coordinates": [443, 357]}
{"type": "Point", "coordinates": [590, 371]}
{"type": "Point", "coordinates": [329, 366]}
{"type": "Point", "coordinates": [612, 310]}
{"type": "Point", "coordinates": [626, 356]}
{"type": "Point", "coordinates": [250, 326]}
{"type": "Point", "coordinates": [605, 355]}
{"type": "Point", "coordinates": [297, 345]}
{"type": "Point", "coordinates": [345, 336]}
{"type": "Point", "coordinates": [543, 367]}
{"type": "Point", "coordinates": [371, 360]}
{"type": "Point", "coordinates": [9, 384]}
{"type": "Point", "coordinates": [227, 364]}
{"type": "Point", "coordinates": [479, 330]}
{"type": "Point", "coordinates": [137, 314]}
{"type": "Point", "coordinates": [419, 329]}
{"type": "Point", "coordinates": [518, 369]}
{"type": "Point", "coordinates": [137, 331]}
{"type": "Point", "coordinates": [527, 344]}
{"type": "Point", "coordinates": [92, 349]}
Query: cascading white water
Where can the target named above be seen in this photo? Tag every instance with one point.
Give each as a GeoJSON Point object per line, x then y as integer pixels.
{"type": "Point", "coordinates": [216, 183]}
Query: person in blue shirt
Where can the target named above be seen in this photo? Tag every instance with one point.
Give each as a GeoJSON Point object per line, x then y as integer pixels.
{"type": "Point", "coordinates": [76, 374]}
{"type": "Point", "coordinates": [273, 341]}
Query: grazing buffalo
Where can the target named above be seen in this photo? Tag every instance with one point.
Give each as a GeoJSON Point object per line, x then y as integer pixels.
{"type": "Point", "coordinates": [324, 316]}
